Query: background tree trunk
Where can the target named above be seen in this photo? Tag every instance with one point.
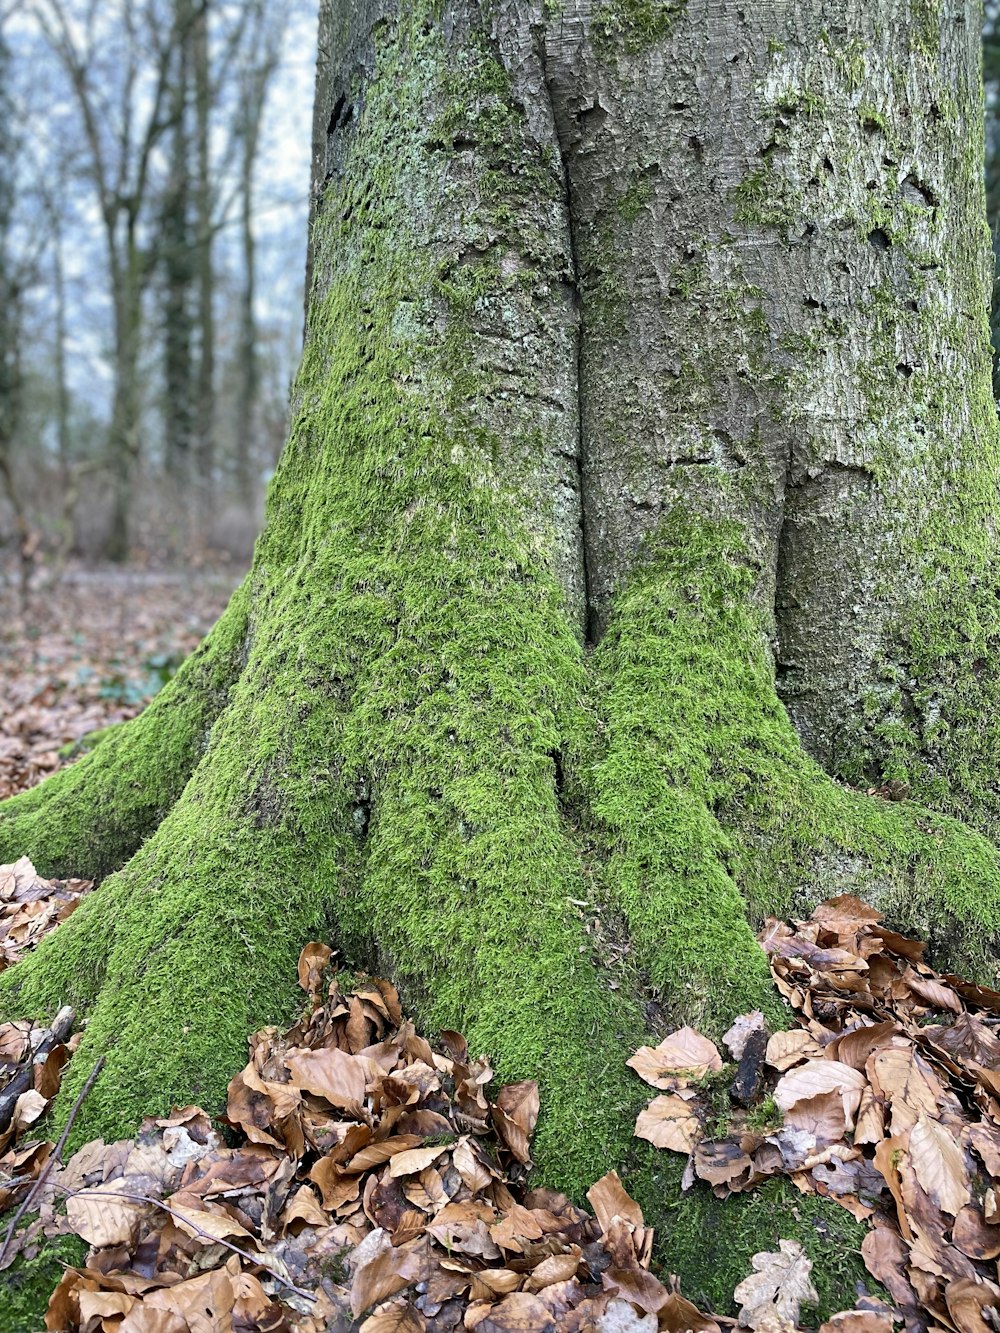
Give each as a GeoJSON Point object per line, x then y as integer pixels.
{"type": "Point", "coordinates": [179, 259]}
{"type": "Point", "coordinates": [617, 403]}
{"type": "Point", "coordinates": [204, 452]}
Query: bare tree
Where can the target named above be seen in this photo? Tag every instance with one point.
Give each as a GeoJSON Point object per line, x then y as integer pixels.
{"type": "Point", "coordinates": [261, 56]}
{"type": "Point", "coordinates": [118, 59]}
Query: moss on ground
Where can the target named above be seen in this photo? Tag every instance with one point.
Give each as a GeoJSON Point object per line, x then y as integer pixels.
{"type": "Point", "coordinates": [25, 1287]}
{"type": "Point", "coordinates": [710, 1243]}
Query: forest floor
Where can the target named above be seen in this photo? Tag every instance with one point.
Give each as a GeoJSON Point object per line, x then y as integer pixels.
{"type": "Point", "coordinates": [364, 1178]}
{"type": "Point", "coordinates": [91, 650]}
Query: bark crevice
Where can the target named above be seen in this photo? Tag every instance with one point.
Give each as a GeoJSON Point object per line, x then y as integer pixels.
{"type": "Point", "coordinates": [591, 626]}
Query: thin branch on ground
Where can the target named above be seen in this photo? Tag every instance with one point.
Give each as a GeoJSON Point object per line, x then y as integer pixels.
{"type": "Point", "coordinates": [44, 1174]}
{"type": "Point", "coordinates": [254, 1260]}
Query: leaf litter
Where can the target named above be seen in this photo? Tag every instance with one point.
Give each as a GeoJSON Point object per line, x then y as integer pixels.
{"type": "Point", "coordinates": [360, 1178]}
{"type": "Point", "coordinates": [885, 1099]}
{"type": "Point", "coordinates": [363, 1178]}
{"type": "Point", "coordinates": [88, 653]}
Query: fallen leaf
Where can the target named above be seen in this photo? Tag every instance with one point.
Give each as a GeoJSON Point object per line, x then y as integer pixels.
{"type": "Point", "coordinates": [669, 1122]}
{"type": "Point", "coordinates": [683, 1052]}
{"type": "Point", "coordinates": [939, 1165]}
{"type": "Point", "coordinates": [777, 1288]}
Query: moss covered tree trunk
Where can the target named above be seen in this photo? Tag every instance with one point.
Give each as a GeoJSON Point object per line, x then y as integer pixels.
{"type": "Point", "coordinates": [638, 514]}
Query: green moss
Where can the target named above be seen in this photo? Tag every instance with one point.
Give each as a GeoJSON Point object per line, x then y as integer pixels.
{"type": "Point", "coordinates": [926, 28]}
{"type": "Point", "coordinates": [25, 1287]}
{"type": "Point", "coordinates": [795, 100]}
{"type": "Point", "coordinates": [765, 1117]}
{"type": "Point", "coordinates": [712, 812]}
{"type": "Point", "coordinates": [711, 1244]}
{"type": "Point", "coordinates": [636, 197]}
{"type": "Point", "coordinates": [87, 743]}
{"type": "Point", "coordinates": [761, 197]}
{"type": "Point", "coordinates": [849, 58]}
{"type": "Point", "coordinates": [633, 26]}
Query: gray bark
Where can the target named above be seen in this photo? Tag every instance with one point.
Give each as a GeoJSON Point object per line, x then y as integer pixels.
{"type": "Point", "coordinates": [766, 268]}
{"type": "Point", "coordinates": [776, 216]}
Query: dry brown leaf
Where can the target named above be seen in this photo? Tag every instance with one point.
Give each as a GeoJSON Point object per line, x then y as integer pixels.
{"type": "Point", "coordinates": [100, 1216]}
{"type": "Point", "coordinates": [205, 1303]}
{"type": "Point", "coordinates": [934, 992]}
{"type": "Point", "coordinates": [967, 1299]}
{"type": "Point", "coordinates": [520, 1312]}
{"type": "Point", "coordinates": [777, 1288]}
{"type": "Point", "coordinates": [415, 1160]}
{"type": "Point", "coordinates": [379, 1270]}
{"type": "Point", "coordinates": [312, 960]}
{"type": "Point", "coordinates": [332, 1074]}
{"type": "Point", "coordinates": [396, 1317]}
{"type": "Point", "coordinates": [514, 1114]}
{"type": "Point", "coordinates": [683, 1052]}
{"type": "Point", "coordinates": [609, 1200]}
{"type": "Point", "coordinates": [974, 1235]}
{"type": "Point", "coordinates": [939, 1165]}
{"type": "Point", "coordinates": [785, 1049]}
{"type": "Point", "coordinates": [669, 1122]}
{"type": "Point", "coordinates": [678, 1315]}
{"type": "Point", "coordinates": [818, 1077]}
{"type": "Point", "coordinates": [859, 1321]}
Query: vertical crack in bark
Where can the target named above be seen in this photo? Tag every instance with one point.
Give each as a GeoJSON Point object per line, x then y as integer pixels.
{"type": "Point", "coordinates": [590, 616]}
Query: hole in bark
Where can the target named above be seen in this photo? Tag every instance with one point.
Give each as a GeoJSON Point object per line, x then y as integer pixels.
{"type": "Point", "coordinates": [828, 166]}
{"type": "Point", "coordinates": [463, 144]}
{"type": "Point", "coordinates": [337, 114]}
{"type": "Point", "coordinates": [591, 118]}
{"type": "Point", "coordinates": [871, 126]}
{"type": "Point", "coordinates": [678, 106]}
{"type": "Point", "coordinates": [878, 239]}
{"type": "Point", "coordinates": [811, 303]}
{"type": "Point", "coordinates": [697, 147]}
{"type": "Point", "coordinates": [360, 817]}
{"type": "Point", "coordinates": [904, 368]}
{"type": "Point", "coordinates": [842, 265]}
{"type": "Point", "coordinates": [917, 191]}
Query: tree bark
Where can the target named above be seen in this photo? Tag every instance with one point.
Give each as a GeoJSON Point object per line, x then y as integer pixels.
{"type": "Point", "coordinates": [179, 250]}
{"type": "Point", "coordinates": [646, 375]}
{"type": "Point", "coordinates": [204, 416]}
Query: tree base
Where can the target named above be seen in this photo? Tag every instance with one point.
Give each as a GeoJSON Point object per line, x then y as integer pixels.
{"type": "Point", "coordinates": [439, 849]}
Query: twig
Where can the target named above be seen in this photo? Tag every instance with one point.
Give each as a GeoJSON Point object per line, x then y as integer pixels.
{"type": "Point", "coordinates": [254, 1260]}
{"type": "Point", "coordinates": [43, 1176]}
{"type": "Point", "coordinates": [62, 1026]}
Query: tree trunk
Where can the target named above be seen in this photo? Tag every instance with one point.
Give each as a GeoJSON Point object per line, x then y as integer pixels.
{"type": "Point", "coordinates": [247, 371]}
{"type": "Point", "coordinates": [127, 264]}
{"type": "Point", "coordinates": [179, 262]}
{"type": "Point", "coordinates": [204, 416]}
{"type": "Point", "coordinates": [646, 380]}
